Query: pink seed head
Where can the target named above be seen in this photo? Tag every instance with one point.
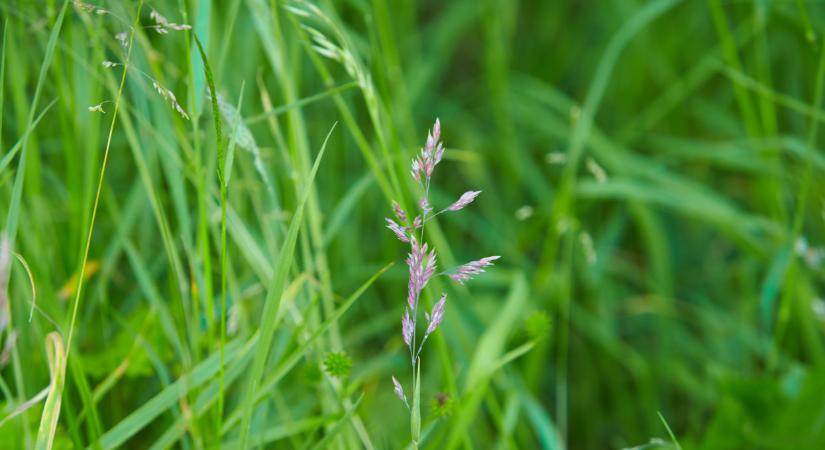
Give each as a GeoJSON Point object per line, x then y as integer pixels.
{"type": "Point", "coordinates": [437, 314]}
{"type": "Point", "coordinates": [400, 214]}
{"type": "Point", "coordinates": [399, 391]}
{"type": "Point", "coordinates": [399, 231]}
{"type": "Point", "coordinates": [465, 199]}
{"type": "Point", "coordinates": [416, 283]}
{"type": "Point", "coordinates": [422, 267]}
{"type": "Point", "coordinates": [424, 204]}
{"type": "Point", "coordinates": [429, 166]}
{"type": "Point", "coordinates": [468, 271]}
{"type": "Point", "coordinates": [416, 170]}
{"type": "Point", "coordinates": [437, 130]}
{"type": "Point", "coordinates": [430, 146]}
{"type": "Point", "coordinates": [407, 327]}
{"type": "Point", "coordinates": [429, 269]}
{"type": "Point", "coordinates": [439, 152]}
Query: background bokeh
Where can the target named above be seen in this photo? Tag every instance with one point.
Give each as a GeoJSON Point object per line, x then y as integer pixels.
{"type": "Point", "coordinates": [651, 177]}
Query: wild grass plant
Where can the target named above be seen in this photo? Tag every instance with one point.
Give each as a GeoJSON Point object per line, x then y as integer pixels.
{"type": "Point", "coordinates": [422, 265]}
{"type": "Point", "coordinates": [192, 254]}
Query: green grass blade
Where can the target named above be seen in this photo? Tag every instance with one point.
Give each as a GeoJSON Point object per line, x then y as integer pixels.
{"type": "Point", "coordinates": [489, 351]}
{"type": "Point", "coordinates": [289, 362]}
{"type": "Point", "coordinates": [17, 145]}
{"type": "Point", "coordinates": [56, 355]}
{"type": "Point", "coordinates": [332, 432]}
{"type": "Point", "coordinates": [51, 412]}
{"type": "Point", "coordinates": [167, 398]}
{"type": "Point", "coordinates": [273, 301]}
{"type": "Point", "coordinates": [669, 431]}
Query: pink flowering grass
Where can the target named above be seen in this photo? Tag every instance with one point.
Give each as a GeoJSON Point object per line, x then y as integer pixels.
{"type": "Point", "coordinates": [422, 261]}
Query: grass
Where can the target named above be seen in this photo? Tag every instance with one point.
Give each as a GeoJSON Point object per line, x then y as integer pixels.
{"type": "Point", "coordinates": [651, 175]}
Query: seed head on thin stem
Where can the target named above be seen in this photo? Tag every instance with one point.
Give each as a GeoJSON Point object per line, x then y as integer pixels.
{"type": "Point", "coordinates": [407, 327]}
{"type": "Point", "coordinates": [437, 315]}
{"type": "Point", "coordinates": [421, 261]}
{"type": "Point", "coordinates": [399, 391]}
{"type": "Point", "coordinates": [468, 271]}
{"type": "Point", "coordinates": [465, 199]}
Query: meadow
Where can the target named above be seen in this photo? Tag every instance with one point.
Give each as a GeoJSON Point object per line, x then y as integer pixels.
{"type": "Point", "coordinates": [194, 249]}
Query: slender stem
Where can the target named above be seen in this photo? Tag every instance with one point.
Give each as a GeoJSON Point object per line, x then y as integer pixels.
{"type": "Point", "coordinates": [415, 413]}
{"type": "Point", "coordinates": [418, 292]}
{"type": "Point", "coordinates": [100, 180]}
{"type": "Point", "coordinates": [420, 347]}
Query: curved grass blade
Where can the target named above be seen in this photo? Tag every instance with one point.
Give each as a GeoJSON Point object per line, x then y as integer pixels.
{"type": "Point", "coordinates": [51, 412]}
{"type": "Point", "coordinates": [166, 399]}
{"type": "Point", "coordinates": [488, 356]}
{"type": "Point", "coordinates": [56, 355]}
{"type": "Point", "coordinates": [290, 361]}
{"type": "Point", "coordinates": [273, 301]}
{"type": "Point", "coordinates": [25, 406]}
{"type": "Point", "coordinates": [669, 431]}
{"type": "Point", "coordinates": [209, 394]}
{"type": "Point", "coordinates": [224, 181]}
{"type": "Point", "coordinates": [16, 147]}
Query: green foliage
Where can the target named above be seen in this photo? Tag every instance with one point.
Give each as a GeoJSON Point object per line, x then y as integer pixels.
{"type": "Point", "coordinates": [537, 325]}
{"type": "Point", "coordinates": [443, 405]}
{"type": "Point", "coordinates": [652, 176]}
{"type": "Point", "coordinates": [312, 372]}
{"type": "Point", "coordinates": [337, 364]}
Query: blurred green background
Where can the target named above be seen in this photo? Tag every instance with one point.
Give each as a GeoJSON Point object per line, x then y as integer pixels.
{"type": "Point", "coordinates": [651, 176]}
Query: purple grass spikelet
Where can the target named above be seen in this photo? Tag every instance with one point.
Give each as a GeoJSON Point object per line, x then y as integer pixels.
{"type": "Point", "coordinates": [407, 327]}
{"type": "Point", "coordinates": [416, 170]}
{"type": "Point", "coordinates": [439, 152]}
{"type": "Point", "coordinates": [429, 269]}
{"type": "Point", "coordinates": [429, 164]}
{"type": "Point", "coordinates": [437, 315]}
{"type": "Point", "coordinates": [414, 260]}
{"type": "Point", "coordinates": [399, 231]}
{"type": "Point", "coordinates": [400, 214]}
{"type": "Point", "coordinates": [399, 391]}
{"type": "Point", "coordinates": [424, 204]}
{"type": "Point", "coordinates": [465, 199]}
{"type": "Point", "coordinates": [468, 271]}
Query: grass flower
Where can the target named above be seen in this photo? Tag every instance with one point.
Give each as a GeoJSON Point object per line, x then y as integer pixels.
{"type": "Point", "coordinates": [169, 96]}
{"type": "Point", "coordinates": [422, 261]}
{"type": "Point", "coordinates": [97, 108]}
{"type": "Point", "coordinates": [434, 319]}
{"type": "Point", "coordinates": [400, 232]}
{"type": "Point", "coordinates": [465, 199]}
{"type": "Point", "coordinates": [407, 327]}
{"type": "Point", "coordinates": [399, 391]}
{"type": "Point", "coordinates": [163, 25]}
{"type": "Point", "coordinates": [122, 38]}
{"type": "Point", "coordinates": [468, 271]}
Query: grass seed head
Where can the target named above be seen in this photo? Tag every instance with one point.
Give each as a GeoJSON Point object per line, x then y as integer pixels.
{"type": "Point", "coordinates": [471, 269]}
{"type": "Point", "coordinates": [421, 260]}
{"type": "Point", "coordinates": [465, 199]}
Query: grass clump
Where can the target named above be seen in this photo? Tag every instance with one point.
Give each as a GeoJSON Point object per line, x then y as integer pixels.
{"type": "Point", "coordinates": [192, 256]}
